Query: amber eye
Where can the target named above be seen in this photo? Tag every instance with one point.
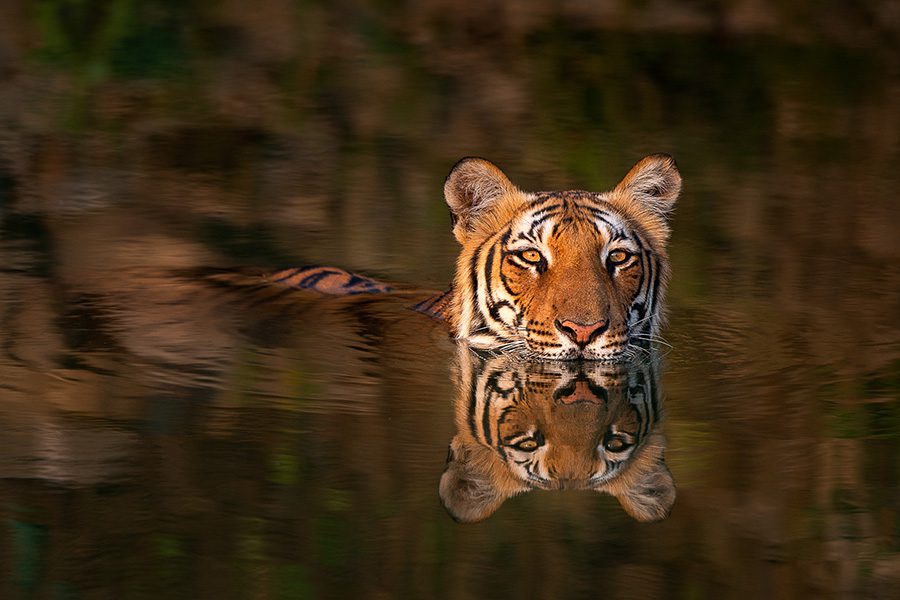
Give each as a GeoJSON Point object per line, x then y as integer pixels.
{"type": "Point", "coordinates": [617, 257]}
{"type": "Point", "coordinates": [531, 256]}
{"type": "Point", "coordinates": [617, 442]}
{"type": "Point", "coordinates": [528, 445]}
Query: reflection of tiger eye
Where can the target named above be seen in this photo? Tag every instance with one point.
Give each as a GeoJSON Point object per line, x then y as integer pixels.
{"type": "Point", "coordinates": [531, 256]}
{"type": "Point", "coordinates": [617, 443]}
{"type": "Point", "coordinates": [527, 445]}
{"type": "Point", "coordinates": [617, 257]}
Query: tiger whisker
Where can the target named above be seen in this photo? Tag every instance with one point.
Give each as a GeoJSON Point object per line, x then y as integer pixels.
{"type": "Point", "coordinates": [652, 338]}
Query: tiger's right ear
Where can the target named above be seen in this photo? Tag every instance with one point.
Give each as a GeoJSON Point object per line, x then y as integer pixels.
{"type": "Point", "coordinates": [468, 492]}
{"type": "Point", "coordinates": [474, 187]}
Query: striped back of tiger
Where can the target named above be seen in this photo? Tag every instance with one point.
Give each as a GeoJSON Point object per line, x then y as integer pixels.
{"type": "Point", "coordinates": [329, 280]}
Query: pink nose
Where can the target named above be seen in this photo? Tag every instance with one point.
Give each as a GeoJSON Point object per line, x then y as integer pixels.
{"type": "Point", "coordinates": [579, 333]}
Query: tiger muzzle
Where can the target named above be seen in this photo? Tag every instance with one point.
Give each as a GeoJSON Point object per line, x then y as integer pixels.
{"type": "Point", "coordinates": [580, 333]}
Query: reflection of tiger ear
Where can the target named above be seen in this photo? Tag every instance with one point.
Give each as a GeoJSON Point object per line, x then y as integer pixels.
{"type": "Point", "coordinates": [654, 181]}
{"type": "Point", "coordinates": [474, 186]}
{"type": "Point", "coordinates": [650, 496]}
{"type": "Point", "coordinates": [467, 491]}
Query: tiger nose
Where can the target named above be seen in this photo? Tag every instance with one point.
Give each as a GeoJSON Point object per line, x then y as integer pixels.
{"type": "Point", "coordinates": [580, 333]}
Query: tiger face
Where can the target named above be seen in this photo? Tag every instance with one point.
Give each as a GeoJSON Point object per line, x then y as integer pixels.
{"type": "Point", "coordinates": [560, 275]}
{"type": "Point", "coordinates": [526, 425]}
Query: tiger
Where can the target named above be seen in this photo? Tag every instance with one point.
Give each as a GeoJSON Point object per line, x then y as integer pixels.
{"type": "Point", "coordinates": [527, 425]}
{"type": "Point", "coordinates": [552, 275]}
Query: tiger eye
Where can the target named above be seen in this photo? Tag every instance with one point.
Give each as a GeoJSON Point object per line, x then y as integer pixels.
{"type": "Point", "coordinates": [618, 442]}
{"type": "Point", "coordinates": [615, 445]}
{"type": "Point", "coordinates": [617, 257]}
{"type": "Point", "coordinates": [527, 445]}
{"type": "Point", "coordinates": [531, 256]}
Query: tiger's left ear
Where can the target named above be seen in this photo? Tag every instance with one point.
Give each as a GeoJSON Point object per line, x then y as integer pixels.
{"type": "Point", "coordinates": [649, 496]}
{"type": "Point", "coordinates": [654, 182]}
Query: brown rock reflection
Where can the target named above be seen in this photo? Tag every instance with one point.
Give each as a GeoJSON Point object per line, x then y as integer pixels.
{"type": "Point", "coordinates": [527, 425]}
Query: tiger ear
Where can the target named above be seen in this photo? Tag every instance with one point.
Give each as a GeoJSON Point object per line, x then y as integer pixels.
{"type": "Point", "coordinates": [650, 496]}
{"type": "Point", "coordinates": [467, 489]}
{"type": "Point", "coordinates": [654, 182]}
{"type": "Point", "coordinates": [473, 187]}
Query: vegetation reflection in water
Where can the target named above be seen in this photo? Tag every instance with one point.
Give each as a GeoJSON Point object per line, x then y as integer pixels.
{"type": "Point", "coordinates": [160, 444]}
{"type": "Point", "coordinates": [525, 425]}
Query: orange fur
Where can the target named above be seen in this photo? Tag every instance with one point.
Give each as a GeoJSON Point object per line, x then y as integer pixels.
{"type": "Point", "coordinates": [503, 302]}
{"type": "Point", "coordinates": [560, 275]}
{"type": "Point", "coordinates": [592, 426]}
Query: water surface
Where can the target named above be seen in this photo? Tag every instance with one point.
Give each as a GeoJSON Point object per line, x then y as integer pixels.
{"type": "Point", "coordinates": [164, 438]}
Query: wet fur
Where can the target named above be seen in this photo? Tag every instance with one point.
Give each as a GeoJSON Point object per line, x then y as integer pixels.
{"type": "Point", "coordinates": [501, 303]}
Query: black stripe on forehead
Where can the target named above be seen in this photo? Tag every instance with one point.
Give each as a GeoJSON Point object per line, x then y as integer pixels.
{"type": "Point", "coordinates": [542, 216]}
{"type": "Point", "coordinates": [608, 218]}
{"type": "Point", "coordinates": [526, 236]}
{"type": "Point", "coordinates": [560, 224]}
{"type": "Point", "coordinates": [576, 205]}
{"type": "Point", "coordinates": [569, 216]}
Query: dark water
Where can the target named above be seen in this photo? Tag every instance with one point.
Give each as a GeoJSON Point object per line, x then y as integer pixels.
{"type": "Point", "coordinates": [164, 439]}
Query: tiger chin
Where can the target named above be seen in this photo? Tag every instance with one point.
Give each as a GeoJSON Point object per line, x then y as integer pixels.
{"type": "Point", "coordinates": [552, 275]}
{"type": "Point", "coordinates": [540, 425]}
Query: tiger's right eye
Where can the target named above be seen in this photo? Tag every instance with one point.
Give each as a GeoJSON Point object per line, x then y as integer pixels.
{"type": "Point", "coordinates": [531, 256]}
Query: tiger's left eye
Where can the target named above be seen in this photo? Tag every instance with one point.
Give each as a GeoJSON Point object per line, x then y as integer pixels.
{"type": "Point", "coordinates": [617, 257]}
{"type": "Point", "coordinates": [531, 256]}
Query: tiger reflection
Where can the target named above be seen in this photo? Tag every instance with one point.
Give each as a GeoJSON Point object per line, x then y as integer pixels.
{"type": "Point", "coordinates": [556, 425]}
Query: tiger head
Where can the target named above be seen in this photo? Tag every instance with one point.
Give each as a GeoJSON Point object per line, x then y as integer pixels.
{"type": "Point", "coordinates": [525, 425]}
{"type": "Point", "coordinates": [560, 275]}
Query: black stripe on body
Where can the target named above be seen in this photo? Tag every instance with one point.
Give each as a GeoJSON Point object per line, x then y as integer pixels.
{"type": "Point", "coordinates": [473, 403]}
{"type": "Point", "coordinates": [313, 278]}
{"type": "Point", "coordinates": [639, 303]}
{"type": "Point", "coordinates": [310, 281]}
{"type": "Point", "coordinates": [292, 273]}
{"type": "Point", "coordinates": [473, 283]}
{"type": "Point", "coordinates": [650, 278]}
{"type": "Point", "coordinates": [427, 304]}
{"type": "Point", "coordinates": [493, 306]}
{"type": "Point", "coordinates": [654, 292]}
{"type": "Point", "coordinates": [486, 422]}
